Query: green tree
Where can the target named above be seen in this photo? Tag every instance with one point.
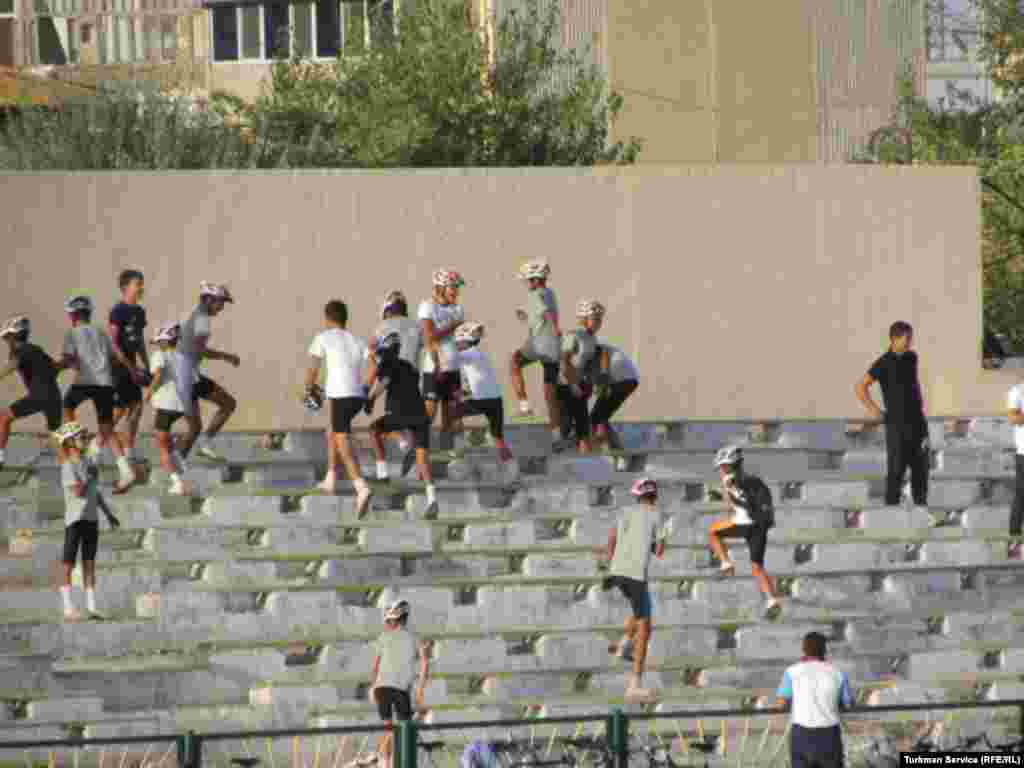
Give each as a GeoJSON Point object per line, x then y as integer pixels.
{"type": "Point", "coordinates": [428, 93]}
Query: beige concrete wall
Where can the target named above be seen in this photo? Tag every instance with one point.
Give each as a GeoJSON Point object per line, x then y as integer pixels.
{"type": "Point", "coordinates": [742, 291]}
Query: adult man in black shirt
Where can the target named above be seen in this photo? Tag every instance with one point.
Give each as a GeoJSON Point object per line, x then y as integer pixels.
{"type": "Point", "coordinates": [405, 409]}
{"type": "Point", "coordinates": [906, 431]}
{"type": "Point", "coordinates": [39, 374]}
{"type": "Point", "coordinates": [127, 325]}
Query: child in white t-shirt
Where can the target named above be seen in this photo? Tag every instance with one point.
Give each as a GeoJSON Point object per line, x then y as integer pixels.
{"type": "Point", "coordinates": [168, 393]}
{"type": "Point", "coordinates": [481, 390]}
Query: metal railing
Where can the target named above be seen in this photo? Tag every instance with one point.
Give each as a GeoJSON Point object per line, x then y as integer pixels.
{"type": "Point", "coordinates": [188, 747]}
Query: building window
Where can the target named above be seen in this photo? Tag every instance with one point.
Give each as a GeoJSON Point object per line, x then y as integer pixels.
{"type": "Point", "coordinates": [276, 35]}
{"type": "Point", "coordinates": [225, 33]}
{"type": "Point", "coordinates": [302, 29]}
{"type": "Point", "coordinates": [328, 29]}
{"type": "Point", "coordinates": [6, 7]}
{"type": "Point", "coordinates": [50, 41]}
{"type": "Point", "coordinates": [252, 31]}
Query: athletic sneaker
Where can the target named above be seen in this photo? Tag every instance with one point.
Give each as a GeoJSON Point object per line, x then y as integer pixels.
{"type": "Point", "coordinates": [635, 692]}
{"type": "Point", "coordinates": [207, 451]}
{"type": "Point", "coordinates": [773, 608]}
{"type": "Point", "coordinates": [525, 409]}
{"type": "Point", "coordinates": [327, 485]}
{"type": "Point", "coordinates": [430, 513]}
{"type": "Point", "coordinates": [363, 497]}
{"type": "Point", "coordinates": [561, 445]}
{"type": "Point", "coordinates": [72, 614]}
{"type": "Point", "coordinates": [408, 460]}
{"type": "Point", "coordinates": [1013, 551]}
{"type": "Point", "coordinates": [727, 569]}
{"type": "Point", "coordinates": [96, 615]}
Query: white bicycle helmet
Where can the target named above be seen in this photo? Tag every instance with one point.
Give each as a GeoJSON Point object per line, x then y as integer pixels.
{"type": "Point", "coordinates": [589, 308]}
{"type": "Point", "coordinates": [19, 325]}
{"type": "Point", "coordinates": [728, 456]}
{"type": "Point", "coordinates": [469, 332]}
{"type": "Point", "coordinates": [168, 332]}
{"type": "Point", "coordinates": [215, 291]}
{"type": "Point", "coordinates": [397, 611]}
{"type": "Point", "coordinates": [78, 304]}
{"type": "Point", "coordinates": [534, 270]}
{"type": "Point", "coordinates": [448, 278]}
{"type": "Point", "coordinates": [68, 431]}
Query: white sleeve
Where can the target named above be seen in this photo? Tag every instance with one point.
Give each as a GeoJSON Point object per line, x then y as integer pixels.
{"type": "Point", "coordinates": [426, 311]}
{"type": "Point", "coordinates": [316, 347]}
{"type": "Point", "coordinates": [1013, 399]}
{"type": "Point", "coordinates": [156, 361]}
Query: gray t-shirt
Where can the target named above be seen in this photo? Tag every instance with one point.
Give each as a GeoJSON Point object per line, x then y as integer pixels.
{"type": "Point", "coordinates": [79, 508]}
{"type": "Point", "coordinates": [398, 659]}
{"type": "Point", "coordinates": [582, 348]}
{"type": "Point", "coordinates": [620, 366]}
{"type": "Point", "coordinates": [195, 325]}
{"type": "Point", "coordinates": [411, 335]}
{"type": "Point", "coordinates": [543, 341]}
{"type": "Point", "coordinates": [639, 528]}
{"type": "Point", "coordinates": [94, 351]}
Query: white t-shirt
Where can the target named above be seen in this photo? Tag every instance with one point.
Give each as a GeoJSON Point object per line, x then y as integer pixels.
{"type": "Point", "coordinates": [93, 349]}
{"type": "Point", "coordinates": [445, 316]}
{"type": "Point", "coordinates": [399, 659]}
{"type": "Point", "coordinates": [175, 386]}
{"type": "Point", "coordinates": [194, 326]}
{"type": "Point", "coordinates": [816, 689]}
{"type": "Point", "coordinates": [620, 366]}
{"type": "Point", "coordinates": [478, 376]}
{"type": "Point", "coordinates": [344, 357]}
{"type": "Point", "coordinates": [1015, 401]}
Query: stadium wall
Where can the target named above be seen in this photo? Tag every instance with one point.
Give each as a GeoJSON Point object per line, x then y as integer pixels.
{"type": "Point", "coordinates": [741, 291]}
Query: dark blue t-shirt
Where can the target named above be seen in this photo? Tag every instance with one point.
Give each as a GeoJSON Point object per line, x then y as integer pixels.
{"type": "Point", "coordinates": [131, 319]}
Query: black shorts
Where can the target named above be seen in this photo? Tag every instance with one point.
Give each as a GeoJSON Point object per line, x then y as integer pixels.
{"type": "Point", "coordinates": [551, 370]}
{"type": "Point", "coordinates": [49, 405]}
{"type": "Point", "coordinates": [102, 398]}
{"type": "Point", "coordinates": [204, 388]}
{"type": "Point", "coordinates": [391, 422]}
{"type": "Point", "coordinates": [84, 534]}
{"type": "Point", "coordinates": [165, 420]}
{"type": "Point", "coordinates": [126, 391]}
{"type": "Point", "coordinates": [393, 704]}
{"type": "Point", "coordinates": [607, 406]}
{"type": "Point", "coordinates": [635, 591]}
{"type": "Point", "coordinates": [756, 536]}
{"type": "Point", "coordinates": [575, 414]}
{"type": "Point", "coordinates": [493, 409]}
{"type": "Point", "coordinates": [343, 410]}
{"type": "Point", "coordinates": [440, 386]}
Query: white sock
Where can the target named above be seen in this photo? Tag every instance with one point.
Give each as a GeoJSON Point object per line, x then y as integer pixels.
{"type": "Point", "coordinates": [431, 493]}
{"type": "Point", "coordinates": [90, 599]}
{"type": "Point", "coordinates": [382, 470]}
{"type": "Point", "coordinates": [3, 455]}
{"type": "Point", "coordinates": [524, 405]}
{"type": "Point", "coordinates": [65, 596]}
{"type": "Point", "coordinates": [360, 484]}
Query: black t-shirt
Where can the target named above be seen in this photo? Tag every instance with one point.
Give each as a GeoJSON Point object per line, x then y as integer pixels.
{"type": "Point", "coordinates": [403, 384]}
{"type": "Point", "coordinates": [38, 370]}
{"type": "Point", "coordinates": [901, 390]}
{"type": "Point", "coordinates": [131, 319]}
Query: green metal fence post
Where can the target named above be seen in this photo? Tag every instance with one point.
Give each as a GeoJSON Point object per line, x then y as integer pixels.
{"type": "Point", "coordinates": [405, 755]}
{"type": "Point", "coordinates": [617, 733]}
{"type": "Point", "coordinates": [189, 750]}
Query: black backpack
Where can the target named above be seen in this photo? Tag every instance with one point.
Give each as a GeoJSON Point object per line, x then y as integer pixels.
{"type": "Point", "coordinates": [759, 501]}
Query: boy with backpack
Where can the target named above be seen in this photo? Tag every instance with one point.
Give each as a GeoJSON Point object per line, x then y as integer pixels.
{"type": "Point", "coordinates": [753, 514]}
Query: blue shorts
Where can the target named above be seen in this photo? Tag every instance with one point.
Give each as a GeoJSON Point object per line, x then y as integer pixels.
{"type": "Point", "coordinates": [635, 591]}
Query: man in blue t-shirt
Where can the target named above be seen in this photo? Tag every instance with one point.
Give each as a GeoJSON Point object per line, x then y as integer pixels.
{"type": "Point", "coordinates": [816, 691]}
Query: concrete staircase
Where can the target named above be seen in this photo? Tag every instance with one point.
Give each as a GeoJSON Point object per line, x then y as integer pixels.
{"type": "Point", "coordinates": [252, 604]}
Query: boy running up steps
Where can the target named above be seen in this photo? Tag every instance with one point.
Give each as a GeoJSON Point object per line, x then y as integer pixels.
{"type": "Point", "coordinates": [126, 328]}
{"type": "Point", "coordinates": [579, 355]}
{"type": "Point", "coordinates": [165, 393]}
{"type": "Point", "coordinates": [482, 393]}
{"type": "Point", "coordinates": [39, 375]}
{"type": "Point", "coordinates": [542, 343]}
{"type": "Point", "coordinates": [404, 411]}
{"type": "Point", "coordinates": [617, 379]}
{"type": "Point", "coordinates": [395, 318]}
{"type": "Point", "coordinates": [344, 357]}
{"type": "Point", "coordinates": [90, 351]}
